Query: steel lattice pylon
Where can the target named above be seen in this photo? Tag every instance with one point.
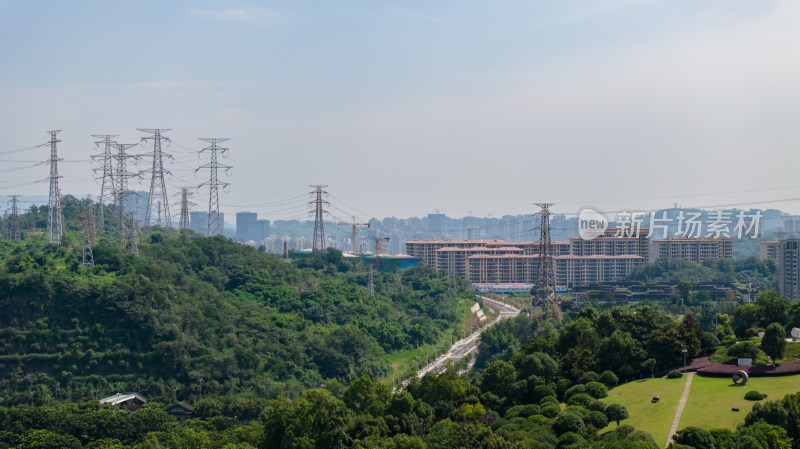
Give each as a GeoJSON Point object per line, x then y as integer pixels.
{"type": "Point", "coordinates": [107, 182]}
{"type": "Point", "coordinates": [185, 204]}
{"type": "Point", "coordinates": [54, 214]}
{"type": "Point", "coordinates": [215, 225]}
{"type": "Point", "coordinates": [543, 293]}
{"type": "Point", "coordinates": [15, 232]}
{"type": "Point", "coordinates": [87, 235]}
{"type": "Point", "coordinates": [319, 216]}
{"type": "Point", "coordinates": [122, 194]}
{"type": "Point", "coordinates": [158, 188]}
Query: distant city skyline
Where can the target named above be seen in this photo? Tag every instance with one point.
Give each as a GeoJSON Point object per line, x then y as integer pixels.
{"type": "Point", "coordinates": [403, 110]}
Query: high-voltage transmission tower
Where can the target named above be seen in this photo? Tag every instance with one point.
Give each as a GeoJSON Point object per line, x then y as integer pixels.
{"type": "Point", "coordinates": [185, 204]}
{"type": "Point", "coordinates": [54, 214]}
{"type": "Point", "coordinates": [127, 229]}
{"type": "Point", "coordinates": [215, 225]}
{"type": "Point", "coordinates": [15, 233]}
{"type": "Point", "coordinates": [87, 235]}
{"type": "Point", "coordinates": [543, 293]}
{"type": "Point", "coordinates": [157, 201]}
{"type": "Point", "coordinates": [107, 181]}
{"type": "Point", "coordinates": [319, 216]}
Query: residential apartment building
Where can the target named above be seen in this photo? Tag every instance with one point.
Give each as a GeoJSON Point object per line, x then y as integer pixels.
{"type": "Point", "coordinates": [789, 268]}
{"type": "Point", "coordinates": [694, 250]}
{"type": "Point", "coordinates": [768, 249]}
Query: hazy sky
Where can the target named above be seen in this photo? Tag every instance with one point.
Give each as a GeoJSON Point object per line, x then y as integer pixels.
{"type": "Point", "coordinates": [407, 107]}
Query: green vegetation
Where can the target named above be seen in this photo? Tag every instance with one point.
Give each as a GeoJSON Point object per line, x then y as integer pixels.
{"type": "Point", "coordinates": [194, 315]}
{"type": "Point", "coordinates": [753, 395]}
{"type": "Point", "coordinates": [653, 418]}
{"type": "Point", "coordinates": [711, 399]}
{"type": "Point", "coordinates": [762, 273]}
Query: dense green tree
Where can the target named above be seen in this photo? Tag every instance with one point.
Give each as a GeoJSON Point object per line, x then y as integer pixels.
{"type": "Point", "coordinates": [616, 412]}
{"type": "Point", "coordinates": [774, 341]}
{"type": "Point", "coordinates": [695, 437]}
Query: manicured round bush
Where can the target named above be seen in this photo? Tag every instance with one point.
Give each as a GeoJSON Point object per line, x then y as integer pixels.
{"type": "Point", "coordinates": [674, 374]}
{"type": "Point", "coordinates": [573, 390]}
{"type": "Point", "coordinates": [522, 411]}
{"type": "Point", "coordinates": [746, 349]}
{"type": "Point", "coordinates": [596, 390]}
{"type": "Point", "coordinates": [597, 406]}
{"type": "Point", "coordinates": [609, 378]}
{"type": "Point", "coordinates": [598, 420]}
{"type": "Point", "coordinates": [578, 410]}
{"type": "Point", "coordinates": [542, 391]}
{"type": "Point", "coordinates": [567, 422]}
{"type": "Point", "coordinates": [581, 399]}
{"type": "Point", "coordinates": [550, 411]}
{"type": "Point", "coordinates": [548, 399]}
{"type": "Point", "coordinates": [589, 376]}
{"type": "Point", "coordinates": [753, 395]}
{"type": "Point", "coordinates": [541, 420]}
{"type": "Point", "coordinates": [569, 439]}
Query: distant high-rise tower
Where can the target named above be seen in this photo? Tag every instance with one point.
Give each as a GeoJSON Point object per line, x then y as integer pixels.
{"type": "Point", "coordinates": [158, 199]}
{"type": "Point", "coordinates": [54, 213]}
{"type": "Point", "coordinates": [319, 216]}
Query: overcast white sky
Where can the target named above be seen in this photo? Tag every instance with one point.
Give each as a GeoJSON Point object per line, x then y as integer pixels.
{"type": "Point", "coordinates": [480, 107]}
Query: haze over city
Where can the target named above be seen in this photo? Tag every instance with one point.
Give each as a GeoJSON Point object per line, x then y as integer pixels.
{"type": "Point", "coordinates": [471, 108]}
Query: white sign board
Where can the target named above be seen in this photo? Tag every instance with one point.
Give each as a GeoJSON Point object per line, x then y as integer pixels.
{"type": "Point", "coordinates": [745, 361]}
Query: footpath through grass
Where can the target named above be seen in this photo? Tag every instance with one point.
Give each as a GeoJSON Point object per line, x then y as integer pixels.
{"type": "Point", "coordinates": [711, 399]}
{"type": "Point", "coordinates": [637, 397]}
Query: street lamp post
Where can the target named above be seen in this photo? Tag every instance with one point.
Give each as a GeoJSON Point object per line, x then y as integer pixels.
{"type": "Point", "coordinates": [684, 350]}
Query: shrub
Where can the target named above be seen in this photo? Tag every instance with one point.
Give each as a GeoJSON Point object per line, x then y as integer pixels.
{"type": "Point", "coordinates": [548, 400]}
{"type": "Point", "coordinates": [753, 395]}
{"type": "Point", "coordinates": [550, 411]}
{"type": "Point", "coordinates": [573, 390]}
{"type": "Point", "coordinates": [589, 376]}
{"type": "Point", "coordinates": [744, 349]}
{"type": "Point", "coordinates": [609, 378]}
{"type": "Point", "coordinates": [541, 420]}
{"type": "Point", "coordinates": [596, 419]}
{"type": "Point", "coordinates": [542, 391]}
{"type": "Point", "coordinates": [597, 406]}
{"type": "Point", "coordinates": [522, 411]}
{"type": "Point", "coordinates": [596, 390]}
{"type": "Point", "coordinates": [570, 439]}
{"type": "Point", "coordinates": [694, 437]}
{"type": "Point", "coordinates": [581, 399]}
{"type": "Point", "coordinates": [567, 422]}
{"type": "Point", "coordinates": [674, 374]}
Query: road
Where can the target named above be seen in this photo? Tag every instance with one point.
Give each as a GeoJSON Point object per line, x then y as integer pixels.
{"type": "Point", "coordinates": [466, 346]}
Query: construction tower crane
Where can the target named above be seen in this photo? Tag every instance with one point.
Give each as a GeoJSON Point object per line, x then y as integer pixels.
{"type": "Point", "coordinates": [355, 231]}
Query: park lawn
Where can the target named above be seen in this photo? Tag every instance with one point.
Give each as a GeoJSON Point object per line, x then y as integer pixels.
{"type": "Point", "coordinates": [711, 399]}
{"type": "Point", "coordinates": [636, 396]}
{"type": "Point", "coordinates": [792, 352]}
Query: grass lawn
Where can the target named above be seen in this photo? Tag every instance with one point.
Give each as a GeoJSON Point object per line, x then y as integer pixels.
{"type": "Point", "coordinates": [792, 352]}
{"type": "Point", "coordinates": [644, 415]}
{"type": "Point", "coordinates": [711, 399]}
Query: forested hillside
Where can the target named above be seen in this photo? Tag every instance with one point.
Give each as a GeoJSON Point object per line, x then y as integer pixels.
{"type": "Point", "coordinates": [192, 315]}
